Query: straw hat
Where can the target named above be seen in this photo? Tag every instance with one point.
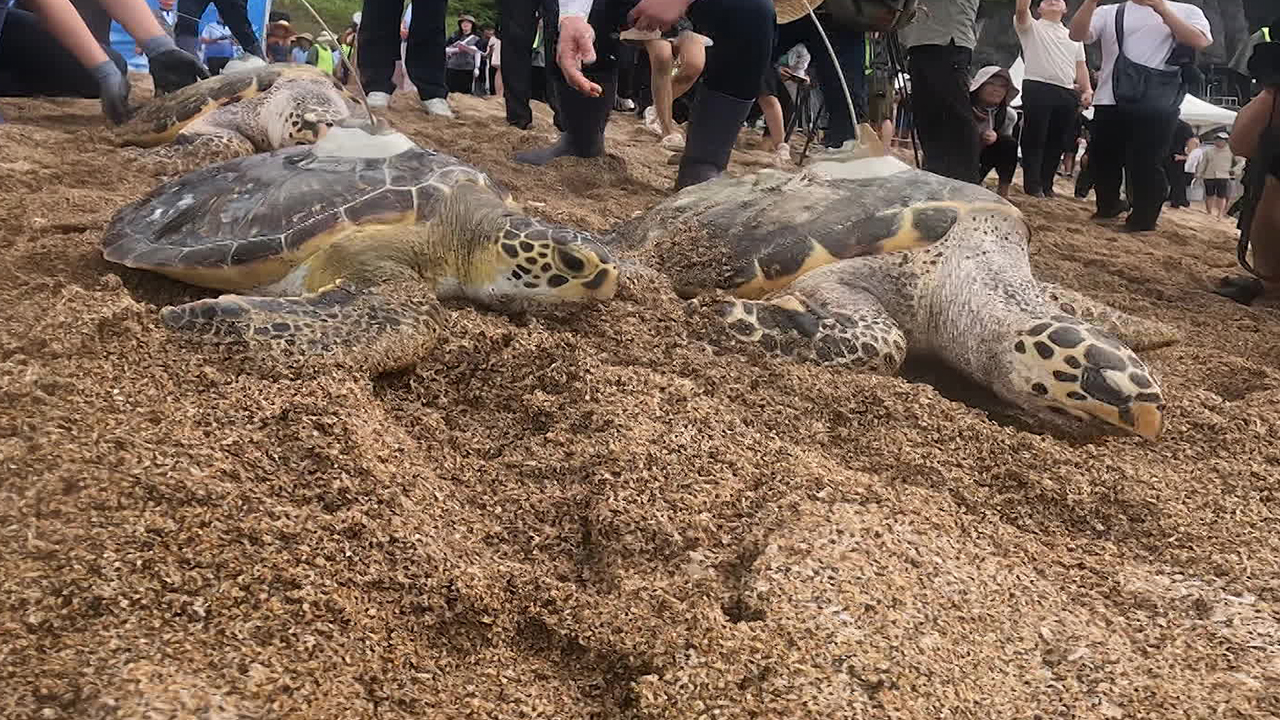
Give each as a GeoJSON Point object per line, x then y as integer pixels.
{"type": "Point", "coordinates": [790, 10]}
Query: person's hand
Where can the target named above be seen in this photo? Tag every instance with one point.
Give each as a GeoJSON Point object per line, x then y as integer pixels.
{"type": "Point", "coordinates": [114, 94]}
{"type": "Point", "coordinates": [404, 33]}
{"type": "Point", "coordinates": [1158, 5]}
{"type": "Point", "coordinates": [989, 137]}
{"type": "Point", "coordinates": [174, 69]}
{"type": "Point", "coordinates": [475, 72]}
{"type": "Point", "coordinates": [576, 48]}
{"type": "Point", "coordinates": [1086, 99]}
{"type": "Point", "coordinates": [657, 14]}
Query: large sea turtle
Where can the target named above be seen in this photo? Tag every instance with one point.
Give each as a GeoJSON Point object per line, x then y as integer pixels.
{"type": "Point", "coordinates": [851, 263]}
{"type": "Point", "coordinates": [306, 234]}
{"type": "Point", "coordinates": [238, 113]}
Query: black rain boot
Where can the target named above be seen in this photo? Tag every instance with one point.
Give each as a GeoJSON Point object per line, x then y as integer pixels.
{"type": "Point", "coordinates": [713, 128]}
{"type": "Point", "coordinates": [584, 119]}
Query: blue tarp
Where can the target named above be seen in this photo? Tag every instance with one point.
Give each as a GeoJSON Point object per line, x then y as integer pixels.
{"type": "Point", "coordinates": [123, 44]}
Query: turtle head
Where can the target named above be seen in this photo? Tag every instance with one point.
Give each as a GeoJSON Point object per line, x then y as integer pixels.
{"type": "Point", "coordinates": [545, 262]}
{"type": "Point", "coordinates": [1074, 373]}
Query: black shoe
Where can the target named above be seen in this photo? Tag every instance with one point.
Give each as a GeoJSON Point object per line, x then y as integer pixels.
{"type": "Point", "coordinates": [1241, 290]}
{"type": "Point", "coordinates": [1112, 213]}
{"type": "Point", "coordinates": [584, 119]}
{"type": "Point", "coordinates": [713, 128]}
{"type": "Point", "coordinates": [1136, 228]}
{"type": "Point", "coordinates": [1049, 193]}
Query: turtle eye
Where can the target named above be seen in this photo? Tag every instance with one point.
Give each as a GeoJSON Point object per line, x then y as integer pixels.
{"type": "Point", "coordinates": [570, 261]}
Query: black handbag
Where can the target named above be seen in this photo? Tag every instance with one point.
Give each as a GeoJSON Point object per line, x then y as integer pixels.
{"type": "Point", "coordinates": [1135, 84]}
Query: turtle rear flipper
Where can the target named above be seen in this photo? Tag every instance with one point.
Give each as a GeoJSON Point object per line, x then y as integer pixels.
{"type": "Point", "coordinates": [845, 327]}
{"type": "Point", "coordinates": [335, 317]}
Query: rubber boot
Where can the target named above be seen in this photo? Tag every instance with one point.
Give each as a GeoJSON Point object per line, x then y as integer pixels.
{"type": "Point", "coordinates": [713, 129]}
{"type": "Point", "coordinates": [584, 120]}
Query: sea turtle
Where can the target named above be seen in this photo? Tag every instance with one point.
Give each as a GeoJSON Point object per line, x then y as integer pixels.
{"type": "Point", "coordinates": [307, 233]}
{"type": "Point", "coordinates": [262, 108]}
{"type": "Point", "coordinates": [851, 263]}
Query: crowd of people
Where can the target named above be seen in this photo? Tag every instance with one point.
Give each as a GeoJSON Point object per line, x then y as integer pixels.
{"type": "Point", "coordinates": [697, 73]}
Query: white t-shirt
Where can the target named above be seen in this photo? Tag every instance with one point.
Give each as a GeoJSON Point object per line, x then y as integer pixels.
{"type": "Point", "coordinates": [1147, 40]}
{"type": "Point", "coordinates": [1049, 52]}
{"type": "Point", "coordinates": [1193, 158]}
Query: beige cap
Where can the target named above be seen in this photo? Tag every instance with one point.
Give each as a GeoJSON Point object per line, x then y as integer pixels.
{"type": "Point", "coordinates": [790, 10]}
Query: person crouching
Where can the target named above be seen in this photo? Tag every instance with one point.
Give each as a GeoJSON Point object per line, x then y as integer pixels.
{"type": "Point", "coordinates": [990, 93]}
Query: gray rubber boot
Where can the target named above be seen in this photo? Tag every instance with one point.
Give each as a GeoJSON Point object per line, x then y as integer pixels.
{"type": "Point", "coordinates": [713, 128]}
{"type": "Point", "coordinates": [584, 120]}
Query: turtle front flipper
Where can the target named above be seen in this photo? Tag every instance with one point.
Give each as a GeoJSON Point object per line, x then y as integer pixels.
{"type": "Point", "coordinates": [197, 146]}
{"type": "Point", "coordinates": [1138, 333]}
{"type": "Point", "coordinates": [337, 316]}
{"type": "Point", "coordinates": [844, 327]}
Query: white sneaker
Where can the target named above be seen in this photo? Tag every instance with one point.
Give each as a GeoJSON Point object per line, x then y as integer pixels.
{"type": "Point", "coordinates": [378, 99]}
{"type": "Point", "coordinates": [674, 142]}
{"type": "Point", "coordinates": [651, 121]}
{"type": "Point", "coordinates": [437, 106]}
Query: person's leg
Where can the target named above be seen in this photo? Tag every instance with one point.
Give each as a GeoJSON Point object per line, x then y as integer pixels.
{"type": "Point", "coordinates": [1006, 162]}
{"type": "Point", "coordinates": [186, 29]}
{"type": "Point", "coordinates": [1061, 113]}
{"type": "Point", "coordinates": [743, 31]}
{"type": "Point", "coordinates": [942, 111]}
{"type": "Point", "coordinates": [584, 118]}
{"type": "Point", "coordinates": [424, 50]}
{"type": "Point", "coordinates": [1150, 133]}
{"type": "Point", "coordinates": [773, 122]}
{"type": "Point", "coordinates": [1037, 111]}
{"type": "Point", "coordinates": [661, 61]}
{"type": "Point", "coordinates": [849, 48]}
{"type": "Point", "coordinates": [693, 60]}
{"type": "Point", "coordinates": [235, 15]}
{"type": "Point", "coordinates": [1106, 159]}
{"type": "Point", "coordinates": [1177, 182]}
{"type": "Point", "coordinates": [518, 28]}
{"type": "Point", "coordinates": [379, 43]}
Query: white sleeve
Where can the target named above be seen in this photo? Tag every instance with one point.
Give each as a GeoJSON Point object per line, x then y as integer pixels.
{"type": "Point", "coordinates": [1194, 17]}
{"type": "Point", "coordinates": [575, 8]}
{"type": "Point", "coordinates": [1098, 23]}
{"type": "Point", "coordinates": [1080, 56]}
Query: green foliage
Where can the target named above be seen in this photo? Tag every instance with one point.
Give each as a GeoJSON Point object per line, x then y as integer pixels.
{"type": "Point", "coordinates": [337, 13]}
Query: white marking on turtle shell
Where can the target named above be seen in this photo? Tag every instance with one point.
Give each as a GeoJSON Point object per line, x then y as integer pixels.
{"type": "Point", "coordinates": [357, 143]}
{"type": "Point", "coordinates": [871, 167]}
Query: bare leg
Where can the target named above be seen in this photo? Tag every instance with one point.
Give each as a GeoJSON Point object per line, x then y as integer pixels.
{"type": "Point", "coordinates": [693, 58]}
{"type": "Point", "coordinates": [497, 82]}
{"type": "Point", "coordinates": [661, 60]}
{"type": "Point", "coordinates": [773, 120]}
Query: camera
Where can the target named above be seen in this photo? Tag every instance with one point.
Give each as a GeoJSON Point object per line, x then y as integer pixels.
{"type": "Point", "coordinates": [1264, 64]}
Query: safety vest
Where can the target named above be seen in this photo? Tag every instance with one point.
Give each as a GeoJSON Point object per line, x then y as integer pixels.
{"type": "Point", "coordinates": [1266, 34]}
{"type": "Point", "coordinates": [324, 59]}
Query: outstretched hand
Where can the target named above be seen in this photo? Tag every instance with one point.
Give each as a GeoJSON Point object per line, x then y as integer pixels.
{"type": "Point", "coordinates": [174, 69]}
{"type": "Point", "coordinates": [657, 14]}
{"type": "Point", "coordinates": [576, 48]}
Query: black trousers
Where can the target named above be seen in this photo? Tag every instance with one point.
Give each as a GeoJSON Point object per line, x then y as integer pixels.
{"type": "Point", "coordinates": [1048, 112]}
{"type": "Point", "coordinates": [1131, 143]}
{"type": "Point", "coordinates": [850, 47]}
{"type": "Point", "coordinates": [235, 15]}
{"type": "Point", "coordinates": [1175, 172]}
{"type": "Point", "coordinates": [1002, 156]}
{"type": "Point", "coordinates": [742, 31]}
{"type": "Point", "coordinates": [379, 46]}
{"type": "Point", "coordinates": [519, 28]}
{"type": "Point", "coordinates": [33, 63]}
{"type": "Point", "coordinates": [942, 112]}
